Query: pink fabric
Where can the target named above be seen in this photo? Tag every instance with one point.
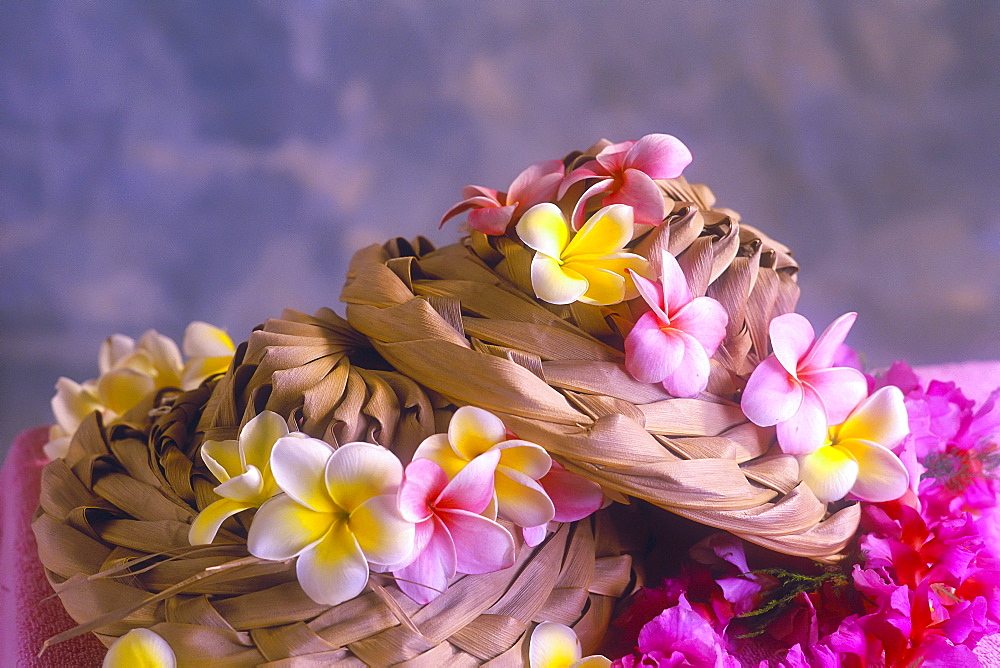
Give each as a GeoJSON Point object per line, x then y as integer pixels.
{"type": "Point", "coordinates": [27, 620]}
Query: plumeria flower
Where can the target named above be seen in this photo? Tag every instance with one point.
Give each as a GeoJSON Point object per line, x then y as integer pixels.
{"type": "Point", "coordinates": [128, 372]}
{"type": "Point", "coordinates": [798, 388]}
{"type": "Point", "coordinates": [554, 645]}
{"type": "Point", "coordinates": [858, 457]}
{"type": "Point", "coordinates": [626, 172]}
{"type": "Point", "coordinates": [492, 211]}
{"type": "Point", "coordinates": [244, 470]}
{"type": "Point", "coordinates": [209, 351]}
{"type": "Point", "coordinates": [573, 496]}
{"type": "Point", "coordinates": [337, 514]}
{"type": "Point", "coordinates": [672, 343]}
{"type": "Point", "coordinates": [590, 267]}
{"type": "Point", "coordinates": [452, 536]}
{"type": "Point", "coordinates": [472, 432]}
{"type": "Point", "coordinates": [140, 648]}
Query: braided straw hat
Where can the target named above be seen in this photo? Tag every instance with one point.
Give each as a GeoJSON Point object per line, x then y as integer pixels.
{"type": "Point", "coordinates": [112, 528]}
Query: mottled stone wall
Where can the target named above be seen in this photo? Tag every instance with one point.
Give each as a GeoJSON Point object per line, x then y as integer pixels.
{"type": "Point", "coordinates": [168, 161]}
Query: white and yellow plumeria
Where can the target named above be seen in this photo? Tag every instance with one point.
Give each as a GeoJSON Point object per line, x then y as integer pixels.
{"type": "Point", "coordinates": [858, 457]}
{"type": "Point", "coordinates": [338, 513]}
{"type": "Point", "coordinates": [140, 648]}
{"type": "Point", "coordinates": [243, 468]}
{"type": "Point", "coordinates": [555, 645]}
{"type": "Point", "coordinates": [208, 350]}
{"type": "Point", "coordinates": [519, 497]}
{"type": "Point", "coordinates": [129, 371]}
{"type": "Point", "coordinates": [590, 265]}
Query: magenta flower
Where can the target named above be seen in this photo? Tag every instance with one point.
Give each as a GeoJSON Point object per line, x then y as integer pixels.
{"type": "Point", "coordinates": [492, 212]}
{"type": "Point", "coordinates": [626, 172]}
{"type": "Point", "coordinates": [680, 637]}
{"type": "Point", "coordinates": [798, 388]}
{"type": "Point", "coordinates": [672, 343]}
{"type": "Point", "coordinates": [451, 534]}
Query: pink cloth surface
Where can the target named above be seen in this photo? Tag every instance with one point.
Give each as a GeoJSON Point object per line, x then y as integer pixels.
{"type": "Point", "coordinates": [27, 618]}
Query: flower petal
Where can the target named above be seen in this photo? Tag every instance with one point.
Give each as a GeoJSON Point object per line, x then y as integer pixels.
{"type": "Point", "coordinates": [140, 648]}
{"type": "Point", "coordinates": [830, 472]}
{"type": "Point", "coordinates": [115, 348]}
{"type": "Point", "coordinates": [521, 499]}
{"type": "Point", "coordinates": [841, 389]}
{"type": "Point", "coordinates": [423, 481]}
{"type": "Point", "coordinates": [122, 389]}
{"type": "Point", "coordinates": [771, 395]}
{"type": "Point", "coordinates": [204, 340]}
{"type": "Point", "coordinates": [472, 489]}
{"type": "Point", "coordinates": [298, 466]}
{"type": "Point", "coordinates": [472, 431]}
{"type": "Point", "coordinates": [589, 170]}
{"type": "Point", "coordinates": [437, 448]}
{"type": "Point", "coordinates": [823, 351]}
{"type": "Point", "coordinates": [690, 378]}
{"type": "Point", "coordinates": [607, 231]}
{"type": "Point", "coordinates": [165, 357]}
{"type": "Point", "coordinates": [382, 533]}
{"type": "Point", "coordinates": [258, 437]}
{"type": "Point", "coordinates": [544, 229]}
{"type": "Point", "coordinates": [333, 570]}
{"type": "Point", "coordinates": [573, 496]}
{"type": "Point", "coordinates": [603, 287]}
{"type": "Point", "coordinates": [791, 336]}
{"type": "Point", "coordinates": [651, 293]}
{"type": "Point", "coordinates": [427, 576]}
{"type": "Point", "coordinates": [807, 429]}
{"type": "Point", "coordinates": [674, 285]}
{"type": "Point", "coordinates": [580, 208]}
{"type": "Point", "coordinates": [553, 645]}
{"type": "Point", "coordinates": [881, 474]}
{"type": "Point", "coordinates": [72, 403]}
{"type": "Point", "coordinates": [359, 471]}
{"type": "Point", "coordinates": [553, 284]}
{"type": "Point", "coordinates": [881, 418]}
{"type": "Point", "coordinates": [222, 458]}
{"type": "Point", "coordinates": [245, 488]}
{"type": "Point", "coordinates": [282, 528]}
{"type": "Point", "coordinates": [642, 194]}
{"type": "Point", "coordinates": [538, 183]}
{"type": "Point", "coordinates": [612, 158]}
{"type": "Point", "coordinates": [650, 354]}
{"type": "Point", "coordinates": [206, 525]}
{"type": "Point", "coordinates": [658, 155]}
{"type": "Point", "coordinates": [625, 265]}
{"type": "Point", "coordinates": [529, 458]}
{"type": "Point", "coordinates": [492, 220]}
{"type": "Point", "coordinates": [705, 320]}
{"type": "Point", "coordinates": [481, 545]}
{"type": "Point", "coordinates": [533, 536]}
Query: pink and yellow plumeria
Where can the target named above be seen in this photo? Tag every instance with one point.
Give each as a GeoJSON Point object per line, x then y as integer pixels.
{"type": "Point", "coordinates": [555, 645]}
{"type": "Point", "coordinates": [573, 496]}
{"type": "Point", "coordinates": [672, 343]}
{"type": "Point", "coordinates": [626, 172]}
{"type": "Point", "coordinates": [589, 266]}
{"type": "Point", "coordinates": [243, 469]}
{"type": "Point", "coordinates": [452, 535]}
{"type": "Point", "coordinates": [798, 388]}
{"type": "Point", "coordinates": [471, 433]}
{"type": "Point", "coordinates": [338, 513]}
{"type": "Point", "coordinates": [858, 457]}
{"type": "Point", "coordinates": [492, 211]}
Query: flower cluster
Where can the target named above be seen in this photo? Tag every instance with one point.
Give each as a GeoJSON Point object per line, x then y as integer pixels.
{"type": "Point", "coordinates": [130, 370]}
{"type": "Point", "coordinates": [343, 512]}
{"type": "Point", "coordinates": [921, 588]}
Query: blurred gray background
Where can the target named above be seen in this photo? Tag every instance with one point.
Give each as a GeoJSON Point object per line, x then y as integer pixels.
{"type": "Point", "coordinates": [162, 162]}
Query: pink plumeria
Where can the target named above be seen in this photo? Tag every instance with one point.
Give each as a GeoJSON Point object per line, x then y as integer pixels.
{"type": "Point", "coordinates": [452, 536]}
{"type": "Point", "coordinates": [626, 172]}
{"type": "Point", "coordinates": [492, 212]}
{"type": "Point", "coordinates": [798, 388]}
{"type": "Point", "coordinates": [672, 343]}
{"type": "Point", "coordinates": [573, 496]}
